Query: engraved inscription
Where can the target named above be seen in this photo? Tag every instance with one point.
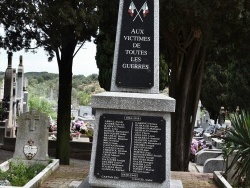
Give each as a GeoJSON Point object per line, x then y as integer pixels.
{"type": "Point", "coordinates": [30, 150]}
{"type": "Point", "coordinates": [131, 148]}
{"type": "Point", "coordinates": [135, 62]}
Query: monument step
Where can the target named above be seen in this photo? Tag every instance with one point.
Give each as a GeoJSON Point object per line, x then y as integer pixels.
{"type": "Point", "coordinates": [74, 184]}
{"type": "Point", "coordinates": [199, 168]}
{"type": "Point", "coordinates": [85, 184]}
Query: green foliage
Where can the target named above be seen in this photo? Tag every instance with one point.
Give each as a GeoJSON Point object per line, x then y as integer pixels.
{"type": "Point", "coordinates": [238, 140]}
{"type": "Point", "coordinates": [164, 73]}
{"type": "Point", "coordinates": [214, 84]}
{"type": "Point", "coordinates": [43, 84]}
{"type": "Point", "coordinates": [19, 174]}
{"type": "Point", "coordinates": [84, 98]}
{"type": "Point", "coordinates": [89, 132]}
{"type": "Point", "coordinates": [228, 85]}
{"type": "Point", "coordinates": [227, 78]}
{"type": "Point", "coordinates": [42, 105]}
{"type": "Point", "coordinates": [105, 41]}
{"type": "Point", "coordinates": [47, 30]}
{"type": "Point", "coordinates": [238, 81]}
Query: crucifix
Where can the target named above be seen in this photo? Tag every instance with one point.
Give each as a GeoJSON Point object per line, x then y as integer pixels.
{"type": "Point", "coordinates": [32, 121]}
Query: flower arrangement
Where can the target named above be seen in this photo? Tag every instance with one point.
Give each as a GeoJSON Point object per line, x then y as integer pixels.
{"type": "Point", "coordinates": [196, 146]}
{"type": "Point", "coordinates": [83, 129]}
{"type": "Point", "coordinates": [78, 134]}
{"type": "Point", "coordinates": [90, 132]}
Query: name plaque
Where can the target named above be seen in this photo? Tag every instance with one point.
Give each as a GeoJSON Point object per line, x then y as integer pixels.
{"type": "Point", "coordinates": [131, 147]}
{"type": "Point", "coordinates": [135, 63]}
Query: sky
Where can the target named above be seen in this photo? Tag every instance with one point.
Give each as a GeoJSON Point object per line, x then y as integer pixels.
{"type": "Point", "coordinates": [83, 64]}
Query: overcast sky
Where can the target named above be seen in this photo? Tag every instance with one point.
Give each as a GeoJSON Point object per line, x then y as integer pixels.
{"type": "Point", "coordinates": [83, 64]}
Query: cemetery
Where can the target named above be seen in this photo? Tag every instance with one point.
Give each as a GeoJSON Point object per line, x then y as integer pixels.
{"type": "Point", "coordinates": [211, 153]}
{"type": "Point", "coordinates": [124, 137]}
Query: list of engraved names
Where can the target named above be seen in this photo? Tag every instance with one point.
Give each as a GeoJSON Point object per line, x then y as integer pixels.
{"type": "Point", "coordinates": [131, 147]}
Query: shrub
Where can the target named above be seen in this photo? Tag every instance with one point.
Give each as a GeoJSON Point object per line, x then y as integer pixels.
{"type": "Point", "coordinates": [19, 173]}
{"type": "Point", "coordinates": [238, 140]}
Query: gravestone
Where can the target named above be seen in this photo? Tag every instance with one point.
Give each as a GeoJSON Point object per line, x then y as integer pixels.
{"type": "Point", "coordinates": [222, 115]}
{"type": "Point", "coordinates": [131, 146]}
{"type": "Point", "coordinates": [198, 115]}
{"type": "Point", "coordinates": [1, 90]}
{"type": "Point", "coordinates": [85, 111]}
{"type": "Point", "coordinates": [9, 97]}
{"type": "Point", "coordinates": [19, 93]}
{"type": "Point", "coordinates": [32, 138]}
{"type": "Point", "coordinates": [2, 114]}
{"type": "Point", "coordinates": [25, 96]}
{"type": "Point", "coordinates": [14, 99]}
{"type": "Point", "coordinates": [205, 120]}
{"type": "Point", "coordinates": [51, 93]}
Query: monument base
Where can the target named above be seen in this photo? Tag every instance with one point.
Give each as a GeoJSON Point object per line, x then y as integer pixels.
{"type": "Point", "coordinates": [131, 146]}
{"type": "Point", "coordinates": [85, 184]}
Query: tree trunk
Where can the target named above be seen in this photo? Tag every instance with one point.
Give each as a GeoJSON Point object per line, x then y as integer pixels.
{"type": "Point", "coordinates": [185, 86]}
{"type": "Point", "coordinates": [64, 101]}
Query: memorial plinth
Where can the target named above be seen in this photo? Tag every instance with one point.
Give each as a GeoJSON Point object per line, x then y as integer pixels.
{"type": "Point", "coordinates": [131, 140]}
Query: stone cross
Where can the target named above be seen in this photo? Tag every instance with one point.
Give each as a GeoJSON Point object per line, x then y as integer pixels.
{"type": "Point", "coordinates": [32, 121]}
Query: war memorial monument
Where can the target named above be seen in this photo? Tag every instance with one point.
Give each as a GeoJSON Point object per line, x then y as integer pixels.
{"type": "Point", "coordinates": [131, 146]}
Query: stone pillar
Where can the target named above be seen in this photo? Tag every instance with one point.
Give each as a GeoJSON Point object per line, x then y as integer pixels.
{"type": "Point", "coordinates": [222, 116]}
{"type": "Point", "coordinates": [198, 116]}
{"type": "Point", "coordinates": [14, 105]}
{"type": "Point", "coordinates": [1, 91]}
{"type": "Point", "coordinates": [8, 95]}
{"type": "Point", "coordinates": [51, 93]}
{"type": "Point", "coordinates": [25, 96]}
{"type": "Point", "coordinates": [20, 80]}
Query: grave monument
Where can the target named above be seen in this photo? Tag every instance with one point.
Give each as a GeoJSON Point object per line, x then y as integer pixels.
{"type": "Point", "coordinates": [131, 146]}
{"type": "Point", "coordinates": [25, 95]}
{"type": "Point", "coordinates": [32, 138]}
{"type": "Point", "coordinates": [20, 80]}
{"type": "Point", "coordinates": [8, 100]}
{"type": "Point", "coordinates": [14, 99]}
{"type": "Point", "coordinates": [1, 90]}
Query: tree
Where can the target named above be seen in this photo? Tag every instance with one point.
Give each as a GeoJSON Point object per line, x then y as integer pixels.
{"type": "Point", "coordinates": [214, 85]}
{"type": "Point", "coordinates": [189, 29]}
{"type": "Point", "coordinates": [58, 26]}
{"type": "Point", "coordinates": [227, 76]}
{"type": "Point", "coordinates": [238, 91]}
{"type": "Point", "coordinates": [105, 41]}
{"type": "Point", "coordinates": [229, 86]}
